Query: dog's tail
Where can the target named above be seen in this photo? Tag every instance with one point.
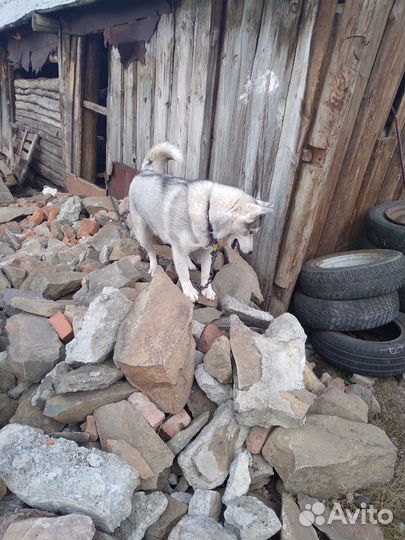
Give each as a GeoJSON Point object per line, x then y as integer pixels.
{"type": "Point", "coordinates": [159, 155]}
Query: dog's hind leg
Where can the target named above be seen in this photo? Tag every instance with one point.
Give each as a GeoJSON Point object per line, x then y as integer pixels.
{"type": "Point", "coordinates": [181, 265]}
{"type": "Point", "coordinates": [206, 261]}
{"type": "Point", "coordinates": [190, 264]}
{"type": "Point", "coordinates": [145, 238]}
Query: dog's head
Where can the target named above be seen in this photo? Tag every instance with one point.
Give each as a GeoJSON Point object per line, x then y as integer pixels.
{"type": "Point", "coordinates": [246, 220]}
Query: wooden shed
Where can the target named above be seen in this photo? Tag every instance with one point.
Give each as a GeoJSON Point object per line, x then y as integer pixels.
{"type": "Point", "coordinates": [290, 100]}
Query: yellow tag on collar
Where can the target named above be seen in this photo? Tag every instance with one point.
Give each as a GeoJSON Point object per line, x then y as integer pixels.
{"type": "Point", "coordinates": [215, 247]}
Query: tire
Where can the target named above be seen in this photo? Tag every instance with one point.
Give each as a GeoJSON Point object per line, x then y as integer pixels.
{"type": "Point", "coordinates": [401, 294]}
{"type": "Point", "coordinates": [365, 357]}
{"type": "Point", "coordinates": [351, 275]}
{"type": "Point", "coordinates": [345, 315]}
{"type": "Point", "coordinates": [382, 232]}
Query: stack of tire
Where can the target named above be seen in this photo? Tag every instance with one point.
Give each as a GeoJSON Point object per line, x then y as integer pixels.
{"type": "Point", "coordinates": [349, 303]}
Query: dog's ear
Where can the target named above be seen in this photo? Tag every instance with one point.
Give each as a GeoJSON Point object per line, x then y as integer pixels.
{"type": "Point", "coordinates": [261, 207]}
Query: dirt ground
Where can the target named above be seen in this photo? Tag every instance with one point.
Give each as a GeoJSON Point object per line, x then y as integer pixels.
{"type": "Point", "coordinates": [391, 396]}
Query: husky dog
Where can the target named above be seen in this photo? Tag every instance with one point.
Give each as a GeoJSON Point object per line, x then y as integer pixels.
{"type": "Point", "coordinates": [190, 215]}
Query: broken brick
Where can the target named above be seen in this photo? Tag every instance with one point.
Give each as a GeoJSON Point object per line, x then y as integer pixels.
{"type": "Point", "coordinates": [62, 327]}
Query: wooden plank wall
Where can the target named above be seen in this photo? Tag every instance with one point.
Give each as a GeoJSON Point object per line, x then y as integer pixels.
{"type": "Point", "coordinates": [37, 109]}
{"type": "Point", "coordinates": [288, 101]}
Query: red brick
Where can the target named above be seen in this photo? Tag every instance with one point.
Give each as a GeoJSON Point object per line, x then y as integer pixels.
{"type": "Point", "coordinates": [88, 228]}
{"type": "Point", "coordinates": [37, 217]}
{"type": "Point", "coordinates": [52, 213]}
{"type": "Point", "coordinates": [256, 439]}
{"type": "Point", "coordinates": [208, 336]}
{"type": "Point", "coordinates": [175, 423]}
{"type": "Point", "coordinates": [62, 326]}
{"type": "Point", "coordinates": [91, 428]}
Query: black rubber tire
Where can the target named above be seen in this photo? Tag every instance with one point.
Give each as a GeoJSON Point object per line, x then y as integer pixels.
{"type": "Point", "coordinates": [382, 232]}
{"type": "Point", "coordinates": [345, 315]}
{"type": "Point", "coordinates": [375, 358]}
{"type": "Point", "coordinates": [382, 272]}
{"type": "Point", "coordinates": [401, 294]}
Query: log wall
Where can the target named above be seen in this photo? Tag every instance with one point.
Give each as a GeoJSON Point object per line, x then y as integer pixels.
{"type": "Point", "coordinates": [288, 101]}
{"type": "Point", "coordinates": [37, 109]}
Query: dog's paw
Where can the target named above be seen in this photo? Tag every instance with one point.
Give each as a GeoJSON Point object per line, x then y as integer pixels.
{"type": "Point", "coordinates": [190, 292]}
{"type": "Point", "coordinates": [209, 293]}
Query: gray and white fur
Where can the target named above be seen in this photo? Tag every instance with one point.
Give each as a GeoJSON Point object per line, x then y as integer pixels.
{"type": "Point", "coordinates": [189, 215]}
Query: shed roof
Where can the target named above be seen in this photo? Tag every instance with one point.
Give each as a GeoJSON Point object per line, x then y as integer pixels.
{"type": "Point", "coordinates": [13, 12]}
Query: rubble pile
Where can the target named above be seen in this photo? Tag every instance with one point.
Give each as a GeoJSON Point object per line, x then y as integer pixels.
{"type": "Point", "coordinates": [129, 413]}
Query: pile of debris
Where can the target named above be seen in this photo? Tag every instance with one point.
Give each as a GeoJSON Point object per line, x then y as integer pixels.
{"type": "Point", "coordinates": [128, 411]}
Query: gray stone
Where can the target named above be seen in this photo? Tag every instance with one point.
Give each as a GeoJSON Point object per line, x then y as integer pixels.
{"type": "Point", "coordinates": [239, 477]}
{"type": "Point", "coordinates": [279, 361]}
{"type": "Point", "coordinates": [54, 285]}
{"type": "Point", "coordinates": [15, 275]}
{"type": "Point", "coordinates": [260, 472]}
{"type": "Point", "coordinates": [251, 519]}
{"type": "Point", "coordinates": [233, 280]}
{"type": "Point", "coordinates": [75, 407]}
{"type": "Point", "coordinates": [122, 421]}
{"type": "Point", "coordinates": [206, 315]}
{"type": "Point", "coordinates": [34, 346]}
{"type": "Point", "coordinates": [124, 248]}
{"type": "Point", "coordinates": [95, 339]}
{"type": "Point", "coordinates": [7, 378]}
{"type": "Point", "coordinates": [96, 203]}
{"type": "Point", "coordinates": [205, 502]}
{"type": "Point", "coordinates": [63, 477]}
{"type": "Point", "coordinates": [73, 526]}
{"type": "Point", "coordinates": [248, 315]}
{"type": "Point", "coordinates": [330, 456]}
{"type": "Point", "coordinates": [181, 497]}
{"type": "Point", "coordinates": [29, 415]}
{"type": "Point", "coordinates": [8, 295]}
{"type": "Point", "coordinates": [200, 528]}
{"type": "Point", "coordinates": [122, 273]}
{"type": "Point", "coordinates": [4, 282]}
{"type": "Point", "coordinates": [87, 378]}
{"type": "Point", "coordinates": [198, 403]}
{"type": "Point", "coordinates": [46, 390]}
{"type": "Point", "coordinates": [37, 306]}
{"type": "Point", "coordinates": [75, 315]}
{"type": "Point", "coordinates": [7, 409]}
{"type": "Point", "coordinates": [366, 394]}
{"type": "Point", "coordinates": [216, 392]}
{"type": "Point", "coordinates": [334, 527]}
{"type": "Point", "coordinates": [5, 250]}
{"type": "Point", "coordinates": [197, 329]}
{"type": "Point", "coordinates": [311, 381]}
{"type": "Point", "coordinates": [206, 460]}
{"type": "Point", "coordinates": [363, 379]}
{"type": "Point", "coordinates": [11, 213]}
{"type": "Point", "coordinates": [292, 528]}
{"type": "Point", "coordinates": [70, 211]}
{"type": "Point", "coordinates": [175, 510]}
{"type": "Point", "coordinates": [19, 390]}
{"type": "Point", "coordinates": [108, 236]}
{"type": "Point", "coordinates": [335, 402]}
{"type": "Point", "coordinates": [146, 510]}
{"type": "Point", "coordinates": [217, 360]}
{"type": "Point", "coordinates": [158, 359]}
{"type": "Point", "coordinates": [183, 437]}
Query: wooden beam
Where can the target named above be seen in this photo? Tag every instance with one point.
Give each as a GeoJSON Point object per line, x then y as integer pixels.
{"type": "Point", "coordinates": [382, 86]}
{"type": "Point", "coordinates": [91, 88]}
{"type": "Point", "coordinates": [44, 23]}
{"type": "Point", "coordinates": [100, 109]}
{"type": "Point", "coordinates": [345, 80]}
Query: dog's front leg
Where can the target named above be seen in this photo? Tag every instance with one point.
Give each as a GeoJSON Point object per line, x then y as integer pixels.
{"type": "Point", "coordinates": [206, 261]}
{"type": "Point", "coordinates": [181, 265]}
